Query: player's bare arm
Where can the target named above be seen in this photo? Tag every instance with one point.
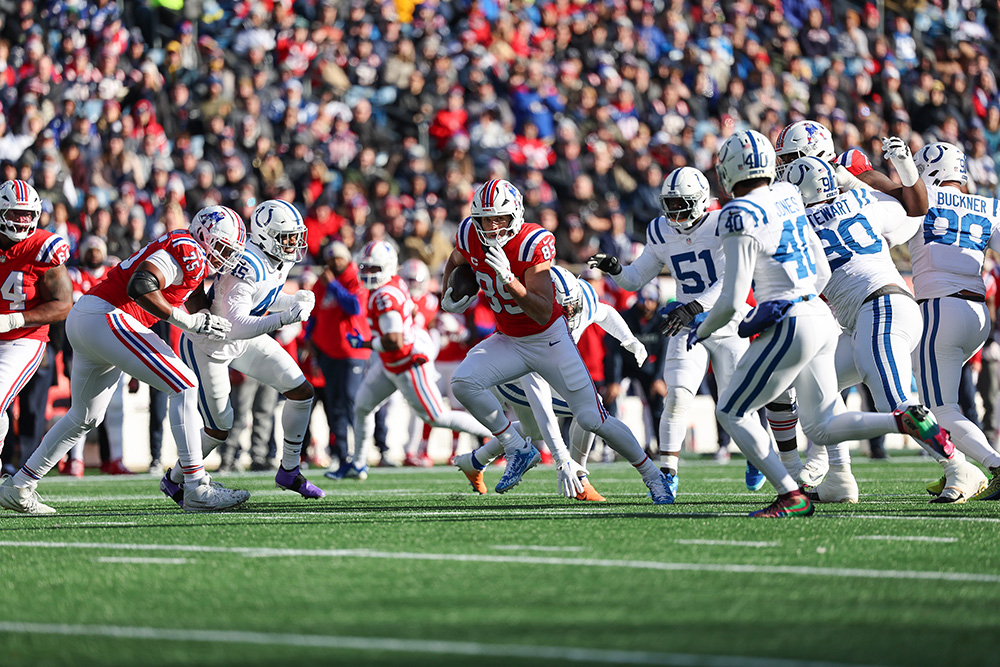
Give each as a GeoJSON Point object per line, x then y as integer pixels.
{"type": "Point", "coordinates": [534, 296]}
{"type": "Point", "coordinates": [913, 199]}
{"type": "Point", "coordinates": [57, 292]}
{"type": "Point", "coordinates": [455, 260]}
{"type": "Point", "coordinates": [144, 287]}
{"type": "Point", "coordinates": [198, 300]}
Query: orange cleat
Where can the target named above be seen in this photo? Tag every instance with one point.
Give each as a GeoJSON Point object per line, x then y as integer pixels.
{"type": "Point", "coordinates": [589, 493]}
{"type": "Point", "coordinates": [475, 476]}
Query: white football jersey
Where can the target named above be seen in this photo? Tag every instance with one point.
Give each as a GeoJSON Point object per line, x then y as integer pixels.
{"type": "Point", "coordinates": [776, 219]}
{"type": "Point", "coordinates": [255, 283]}
{"type": "Point", "coordinates": [949, 250]}
{"type": "Point", "coordinates": [857, 229]}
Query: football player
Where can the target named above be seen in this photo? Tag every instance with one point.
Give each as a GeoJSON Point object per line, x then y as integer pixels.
{"type": "Point", "coordinates": [684, 239]}
{"type": "Point", "coordinates": [948, 254]}
{"type": "Point", "coordinates": [537, 407]}
{"type": "Point", "coordinates": [768, 242]}
{"type": "Point", "coordinates": [511, 261]}
{"type": "Point", "coordinates": [853, 168]}
{"type": "Point", "coordinates": [878, 314]}
{"type": "Point", "coordinates": [109, 331]}
{"type": "Point", "coordinates": [404, 362]}
{"type": "Point", "coordinates": [35, 290]}
{"type": "Point", "coordinates": [244, 297]}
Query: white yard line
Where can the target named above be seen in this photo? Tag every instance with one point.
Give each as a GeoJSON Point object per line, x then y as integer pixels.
{"type": "Point", "coordinates": [399, 645]}
{"type": "Point", "coordinates": [531, 547]}
{"type": "Point", "coordinates": [907, 538]}
{"type": "Point", "coordinates": [732, 568]}
{"type": "Point", "coordinates": [150, 561]}
{"type": "Point", "coordinates": [728, 543]}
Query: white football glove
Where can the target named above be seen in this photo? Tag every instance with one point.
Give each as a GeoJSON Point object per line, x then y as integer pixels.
{"type": "Point", "coordinates": [449, 304]}
{"type": "Point", "coordinates": [570, 483]}
{"type": "Point", "coordinates": [306, 296]}
{"type": "Point", "coordinates": [896, 151]}
{"type": "Point", "coordinates": [637, 349]}
{"type": "Point", "coordinates": [497, 259]}
{"type": "Point", "coordinates": [299, 312]}
{"type": "Point", "coordinates": [202, 323]}
{"type": "Point", "coordinates": [11, 322]}
{"type": "Point", "coordinates": [845, 179]}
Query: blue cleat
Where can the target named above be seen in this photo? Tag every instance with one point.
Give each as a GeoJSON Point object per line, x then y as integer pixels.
{"type": "Point", "coordinates": [354, 471]}
{"type": "Point", "coordinates": [754, 478]}
{"type": "Point", "coordinates": [519, 462]}
{"type": "Point", "coordinates": [662, 489]}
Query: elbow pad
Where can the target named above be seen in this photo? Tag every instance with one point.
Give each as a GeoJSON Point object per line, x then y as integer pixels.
{"type": "Point", "coordinates": [142, 282]}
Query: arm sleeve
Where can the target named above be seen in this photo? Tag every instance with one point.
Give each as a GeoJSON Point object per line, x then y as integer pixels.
{"type": "Point", "coordinates": [612, 322]}
{"type": "Point", "coordinates": [897, 227]}
{"type": "Point", "coordinates": [741, 256]}
{"type": "Point", "coordinates": [613, 364]}
{"type": "Point", "coordinates": [639, 272]}
{"type": "Point", "coordinates": [237, 302]}
{"type": "Point", "coordinates": [168, 266]}
{"type": "Point", "coordinates": [348, 302]}
{"type": "Point", "coordinates": [282, 302]}
{"type": "Point", "coordinates": [823, 271]}
{"type": "Point", "coordinates": [390, 322]}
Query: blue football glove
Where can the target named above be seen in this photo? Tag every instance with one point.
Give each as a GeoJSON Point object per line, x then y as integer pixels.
{"type": "Point", "coordinates": [693, 339]}
{"type": "Point", "coordinates": [355, 339]}
{"type": "Point", "coordinates": [678, 317]}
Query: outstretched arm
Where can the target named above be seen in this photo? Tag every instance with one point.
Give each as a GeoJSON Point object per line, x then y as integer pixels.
{"type": "Point", "coordinates": [741, 257]}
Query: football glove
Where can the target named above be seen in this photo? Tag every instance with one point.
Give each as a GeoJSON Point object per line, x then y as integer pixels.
{"type": "Point", "coordinates": [898, 153]}
{"type": "Point", "coordinates": [202, 323]}
{"type": "Point", "coordinates": [497, 259]}
{"type": "Point", "coordinates": [11, 321]}
{"type": "Point", "coordinates": [306, 296]}
{"type": "Point", "coordinates": [355, 340]}
{"type": "Point", "coordinates": [678, 317]}
{"type": "Point", "coordinates": [637, 349]}
{"type": "Point", "coordinates": [605, 262]}
{"type": "Point", "coordinates": [299, 312]}
{"type": "Point", "coordinates": [450, 305]}
{"type": "Point", "coordinates": [569, 480]}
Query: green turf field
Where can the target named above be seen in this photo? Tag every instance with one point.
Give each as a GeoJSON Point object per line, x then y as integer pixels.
{"type": "Point", "coordinates": [411, 568]}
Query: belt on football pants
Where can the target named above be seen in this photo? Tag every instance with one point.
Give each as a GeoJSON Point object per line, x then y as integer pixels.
{"type": "Point", "coordinates": [888, 289]}
{"type": "Point", "coordinates": [966, 294]}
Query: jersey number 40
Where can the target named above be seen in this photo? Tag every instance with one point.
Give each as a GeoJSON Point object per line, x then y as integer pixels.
{"type": "Point", "coordinates": [793, 247]}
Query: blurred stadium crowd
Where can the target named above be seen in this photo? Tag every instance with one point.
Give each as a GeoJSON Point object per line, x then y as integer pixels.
{"type": "Point", "coordinates": [378, 119]}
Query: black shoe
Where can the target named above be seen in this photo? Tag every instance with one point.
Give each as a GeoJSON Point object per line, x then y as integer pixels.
{"type": "Point", "coordinates": [386, 463]}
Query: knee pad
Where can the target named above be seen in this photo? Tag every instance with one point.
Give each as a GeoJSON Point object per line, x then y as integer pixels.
{"type": "Point", "coordinates": [818, 435]}
{"type": "Point", "coordinates": [463, 387]}
{"type": "Point", "coordinates": [589, 420]}
{"type": "Point", "coordinates": [678, 402]}
{"type": "Point", "coordinates": [225, 420]}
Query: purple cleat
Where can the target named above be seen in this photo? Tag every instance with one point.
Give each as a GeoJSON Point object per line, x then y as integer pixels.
{"type": "Point", "coordinates": [295, 481]}
{"type": "Point", "coordinates": [172, 490]}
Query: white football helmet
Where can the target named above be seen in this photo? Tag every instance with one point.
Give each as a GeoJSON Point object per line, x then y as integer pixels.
{"type": "Point", "coordinates": [378, 264]}
{"type": "Point", "coordinates": [20, 209]}
{"type": "Point", "coordinates": [684, 197]}
{"type": "Point", "coordinates": [815, 179]}
{"type": "Point", "coordinates": [497, 197]}
{"type": "Point", "coordinates": [941, 162]}
{"type": "Point", "coordinates": [221, 234]}
{"type": "Point", "coordinates": [745, 155]}
{"type": "Point", "coordinates": [416, 274]}
{"type": "Point", "coordinates": [277, 228]}
{"type": "Point", "coordinates": [569, 294]}
{"type": "Point", "coordinates": [801, 139]}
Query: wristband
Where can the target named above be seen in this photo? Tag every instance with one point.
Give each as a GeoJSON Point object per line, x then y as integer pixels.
{"type": "Point", "coordinates": [907, 171]}
{"type": "Point", "coordinates": [376, 343]}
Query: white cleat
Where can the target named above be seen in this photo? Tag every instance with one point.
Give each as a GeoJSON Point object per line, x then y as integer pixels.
{"type": "Point", "coordinates": [816, 466]}
{"type": "Point", "coordinates": [25, 501]}
{"type": "Point", "coordinates": [961, 483]}
{"type": "Point", "coordinates": [209, 496]}
{"type": "Point", "coordinates": [839, 486]}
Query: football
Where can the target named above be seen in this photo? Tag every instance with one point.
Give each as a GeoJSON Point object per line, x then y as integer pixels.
{"type": "Point", "coordinates": [462, 282]}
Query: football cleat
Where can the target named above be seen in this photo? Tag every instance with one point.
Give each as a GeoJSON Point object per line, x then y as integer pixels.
{"type": "Point", "coordinates": [25, 501]}
{"type": "Point", "coordinates": [589, 493]}
{"type": "Point", "coordinates": [958, 485]}
{"type": "Point", "coordinates": [992, 490]}
{"type": "Point", "coordinates": [412, 461]}
{"type": "Point", "coordinates": [475, 476]}
{"type": "Point", "coordinates": [172, 489]}
{"type": "Point", "coordinates": [722, 456]}
{"type": "Point", "coordinates": [115, 467]}
{"type": "Point", "coordinates": [754, 478]}
{"type": "Point", "coordinates": [660, 489]}
{"type": "Point", "coordinates": [519, 461]}
{"type": "Point", "coordinates": [293, 480]}
{"type": "Point", "coordinates": [73, 468]}
{"type": "Point", "coordinates": [354, 471]}
{"type": "Point", "coordinates": [839, 486]}
{"type": "Point", "coordinates": [209, 496]}
{"type": "Point", "coordinates": [918, 422]}
{"type": "Point", "coordinates": [338, 473]}
{"type": "Point", "coordinates": [546, 455]}
{"type": "Point", "coordinates": [791, 504]}
{"type": "Point", "coordinates": [815, 468]}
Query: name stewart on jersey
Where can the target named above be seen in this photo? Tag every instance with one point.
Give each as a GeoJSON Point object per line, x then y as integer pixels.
{"type": "Point", "coordinates": [186, 252]}
{"type": "Point", "coordinates": [393, 296]}
{"type": "Point", "coordinates": [531, 246]}
{"type": "Point", "coordinates": [21, 267]}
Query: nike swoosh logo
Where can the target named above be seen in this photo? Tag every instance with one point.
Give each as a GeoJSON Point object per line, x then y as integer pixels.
{"type": "Point", "coordinates": [553, 343]}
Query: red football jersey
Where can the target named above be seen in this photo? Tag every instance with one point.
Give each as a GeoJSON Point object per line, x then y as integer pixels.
{"type": "Point", "coordinates": [427, 306]}
{"type": "Point", "coordinates": [21, 267]}
{"type": "Point", "coordinates": [532, 245]}
{"type": "Point", "coordinates": [394, 296]}
{"type": "Point", "coordinates": [855, 161]}
{"type": "Point", "coordinates": [84, 279]}
{"type": "Point", "coordinates": [183, 248]}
